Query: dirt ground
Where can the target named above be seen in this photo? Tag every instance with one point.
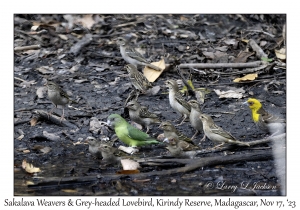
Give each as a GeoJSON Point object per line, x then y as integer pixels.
{"type": "Point", "coordinates": [78, 53]}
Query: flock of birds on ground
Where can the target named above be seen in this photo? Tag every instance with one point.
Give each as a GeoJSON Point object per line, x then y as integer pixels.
{"type": "Point", "coordinates": [175, 141]}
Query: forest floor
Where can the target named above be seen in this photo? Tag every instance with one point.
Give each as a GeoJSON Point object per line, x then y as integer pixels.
{"type": "Point", "coordinates": [78, 53]}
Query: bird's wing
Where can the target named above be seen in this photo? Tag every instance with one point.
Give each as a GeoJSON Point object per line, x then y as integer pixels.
{"type": "Point", "coordinates": [141, 79]}
{"type": "Point", "coordinates": [144, 113]}
{"type": "Point", "coordinates": [269, 118]}
{"type": "Point", "coordinates": [181, 101]}
{"type": "Point", "coordinates": [136, 134]}
{"type": "Point", "coordinates": [183, 137]}
{"type": "Point", "coordinates": [131, 52]}
{"type": "Point", "coordinates": [218, 130]}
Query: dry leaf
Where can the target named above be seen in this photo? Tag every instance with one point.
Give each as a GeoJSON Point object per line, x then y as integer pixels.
{"type": "Point", "coordinates": [33, 121]}
{"type": "Point", "coordinates": [26, 151]}
{"type": "Point", "coordinates": [128, 164]}
{"type": "Point", "coordinates": [20, 137]}
{"type": "Point", "coordinates": [128, 150]}
{"type": "Point", "coordinates": [29, 167]}
{"type": "Point", "coordinates": [45, 150]}
{"type": "Point", "coordinates": [152, 74]}
{"type": "Point", "coordinates": [69, 190]}
{"type": "Point", "coordinates": [40, 92]}
{"type": "Point", "coordinates": [280, 54]}
{"type": "Point", "coordinates": [248, 77]}
{"type": "Point", "coordinates": [87, 21]}
{"type": "Point", "coordinates": [228, 94]}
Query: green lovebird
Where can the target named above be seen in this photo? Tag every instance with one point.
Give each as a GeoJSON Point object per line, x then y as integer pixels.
{"type": "Point", "coordinates": [129, 134]}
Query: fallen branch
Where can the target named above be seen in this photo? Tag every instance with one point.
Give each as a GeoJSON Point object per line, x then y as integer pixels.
{"type": "Point", "coordinates": [191, 165]}
{"type": "Point", "coordinates": [259, 52]}
{"type": "Point", "coordinates": [56, 120]}
{"type": "Point", "coordinates": [220, 65]}
{"type": "Point", "coordinates": [31, 47]}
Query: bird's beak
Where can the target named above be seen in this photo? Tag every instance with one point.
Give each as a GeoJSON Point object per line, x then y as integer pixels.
{"type": "Point", "coordinates": [245, 103]}
{"type": "Point", "coordinates": [166, 140]}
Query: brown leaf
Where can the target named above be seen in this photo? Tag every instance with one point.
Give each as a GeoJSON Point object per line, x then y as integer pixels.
{"type": "Point", "coordinates": [33, 121]}
{"type": "Point", "coordinates": [28, 167]}
{"type": "Point", "coordinates": [69, 190]}
{"type": "Point", "coordinates": [280, 54]}
{"type": "Point", "coordinates": [248, 77]}
{"type": "Point", "coordinates": [152, 74]}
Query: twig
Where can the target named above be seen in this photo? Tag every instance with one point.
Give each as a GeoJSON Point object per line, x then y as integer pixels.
{"type": "Point", "coordinates": [55, 120]}
{"type": "Point", "coordinates": [220, 65]}
{"type": "Point", "coordinates": [259, 52]}
{"type": "Point", "coordinates": [30, 47]}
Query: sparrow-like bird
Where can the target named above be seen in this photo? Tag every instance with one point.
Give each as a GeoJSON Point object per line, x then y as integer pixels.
{"type": "Point", "coordinates": [94, 145]}
{"type": "Point", "coordinates": [174, 148]}
{"type": "Point", "coordinates": [170, 131]}
{"type": "Point", "coordinates": [129, 134]}
{"type": "Point", "coordinates": [138, 80]}
{"type": "Point", "coordinates": [130, 55]}
{"type": "Point", "coordinates": [107, 152]}
{"type": "Point", "coordinates": [141, 115]}
{"type": "Point", "coordinates": [185, 146]}
{"type": "Point", "coordinates": [177, 102]}
{"type": "Point", "coordinates": [57, 96]}
{"type": "Point", "coordinates": [217, 134]}
{"type": "Point", "coordinates": [194, 118]}
{"type": "Point", "coordinates": [265, 121]}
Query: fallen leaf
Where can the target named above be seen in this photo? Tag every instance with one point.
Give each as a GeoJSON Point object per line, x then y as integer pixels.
{"type": "Point", "coordinates": [26, 151]}
{"type": "Point", "coordinates": [228, 94]}
{"type": "Point", "coordinates": [152, 74]}
{"type": "Point", "coordinates": [40, 92]}
{"type": "Point", "coordinates": [45, 150]}
{"type": "Point", "coordinates": [28, 167]}
{"type": "Point", "coordinates": [87, 21]}
{"type": "Point", "coordinates": [230, 41]}
{"type": "Point", "coordinates": [248, 77]}
{"type": "Point", "coordinates": [51, 136]}
{"type": "Point", "coordinates": [280, 54]}
{"type": "Point", "coordinates": [128, 150]}
{"type": "Point", "coordinates": [20, 137]}
{"type": "Point", "coordinates": [33, 121]}
{"type": "Point", "coordinates": [128, 164]}
{"type": "Point", "coordinates": [69, 190]}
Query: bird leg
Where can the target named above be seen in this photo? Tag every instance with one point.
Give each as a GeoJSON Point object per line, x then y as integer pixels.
{"type": "Point", "coordinates": [203, 138]}
{"type": "Point", "coordinates": [195, 134]}
{"type": "Point", "coordinates": [219, 145]}
{"type": "Point", "coordinates": [147, 129]}
{"type": "Point", "coordinates": [62, 116]}
{"type": "Point", "coordinates": [184, 117]}
{"type": "Point", "coordinates": [50, 113]}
